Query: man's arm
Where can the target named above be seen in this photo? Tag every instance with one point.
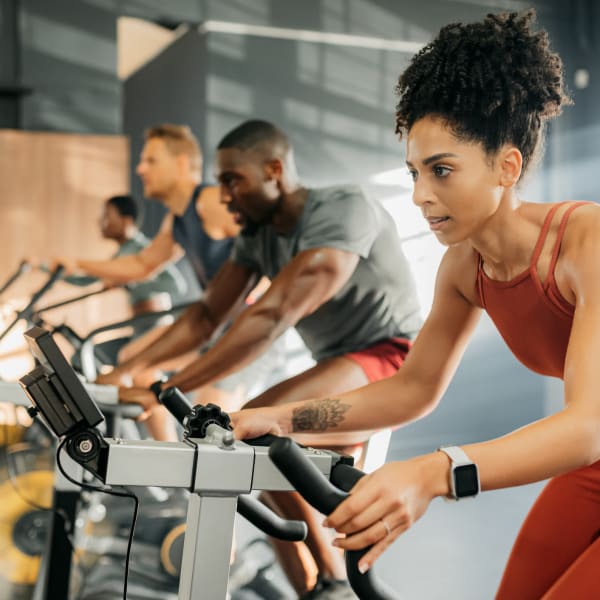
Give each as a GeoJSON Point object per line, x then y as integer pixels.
{"type": "Point", "coordinates": [312, 278]}
{"type": "Point", "coordinates": [199, 322]}
{"type": "Point", "coordinates": [134, 267]}
{"type": "Point", "coordinates": [407, 396]}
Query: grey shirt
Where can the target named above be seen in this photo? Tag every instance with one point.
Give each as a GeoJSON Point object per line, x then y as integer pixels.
{"type": "Point", "coordinates": [168, 280]}
{"type": "Point", "coordinates": [378, 302]}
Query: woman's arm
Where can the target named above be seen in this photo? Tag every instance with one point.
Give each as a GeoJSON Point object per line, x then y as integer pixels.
{"type": "Point", "coordinates": [399, 492]}
{"type": "Point", "coordinates": [413, 392]}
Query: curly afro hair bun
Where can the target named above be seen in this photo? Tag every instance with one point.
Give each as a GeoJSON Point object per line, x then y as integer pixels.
{"type": "Point", "coordinates": [493, 82]}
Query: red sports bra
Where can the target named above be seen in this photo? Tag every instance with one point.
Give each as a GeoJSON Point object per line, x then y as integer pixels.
{"type": "Point", "coordinates": [532, 316]}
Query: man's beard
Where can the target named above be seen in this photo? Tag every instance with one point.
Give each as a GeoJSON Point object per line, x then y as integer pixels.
{"type": "Point", "coordinates": [251, 227]}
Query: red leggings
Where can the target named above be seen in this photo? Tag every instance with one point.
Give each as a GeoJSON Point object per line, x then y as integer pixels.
{"type": "Point", "coordinates": [557, 553]}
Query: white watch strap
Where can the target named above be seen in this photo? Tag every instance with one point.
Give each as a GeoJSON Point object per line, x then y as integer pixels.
{"type": "Point", "coordinates": [456, 454]}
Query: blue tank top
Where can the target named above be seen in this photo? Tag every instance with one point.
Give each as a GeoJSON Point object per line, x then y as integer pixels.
{"type": "Point", "coordinates": [205, 254]}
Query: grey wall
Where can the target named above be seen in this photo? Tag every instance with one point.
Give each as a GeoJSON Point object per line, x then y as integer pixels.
{"type": "Point", "coordinates": [10, 92]}
{"type": "Point", "coordinates": [68, 57]}
{"type": "Point", "coordinates": [574, 144]}
{"type": "Point", "coordinates": [336, 102]}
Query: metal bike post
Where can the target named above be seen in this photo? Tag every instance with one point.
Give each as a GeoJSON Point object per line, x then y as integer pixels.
{"type": "Point", "coordinates": [207, 547]}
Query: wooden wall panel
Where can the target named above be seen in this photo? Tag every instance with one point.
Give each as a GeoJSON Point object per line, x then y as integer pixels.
{"type": "Point", "coordinates": [52, 187]}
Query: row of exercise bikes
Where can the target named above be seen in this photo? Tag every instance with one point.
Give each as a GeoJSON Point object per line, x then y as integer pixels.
{"type": "Point", "coordinates": [77, 481]}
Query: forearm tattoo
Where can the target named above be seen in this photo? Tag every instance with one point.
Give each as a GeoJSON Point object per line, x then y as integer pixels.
{"type": "Point", "coordinates": [319, 415]}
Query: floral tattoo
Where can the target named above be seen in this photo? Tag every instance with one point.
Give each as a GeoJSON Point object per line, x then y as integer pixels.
{"type": "Point", "coordinates": [319, 415]}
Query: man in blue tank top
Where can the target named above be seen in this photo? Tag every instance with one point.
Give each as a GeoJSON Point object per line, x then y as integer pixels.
{"type": "Point", "coordinates": [327, 254]}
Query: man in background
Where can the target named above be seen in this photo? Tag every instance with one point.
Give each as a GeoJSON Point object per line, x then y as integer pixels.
{"type": "Point", "coordinates": [157, 292]}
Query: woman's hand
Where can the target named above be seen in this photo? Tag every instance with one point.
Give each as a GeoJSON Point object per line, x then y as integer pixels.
{"type": "Point", "coordinates": [254, 422]}
{"type": "Point", "coordinates": [384, 504]}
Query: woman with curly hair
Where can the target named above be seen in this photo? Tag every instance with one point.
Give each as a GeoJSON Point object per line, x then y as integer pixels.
{"type": "Point", "coordinates": [473, 105]}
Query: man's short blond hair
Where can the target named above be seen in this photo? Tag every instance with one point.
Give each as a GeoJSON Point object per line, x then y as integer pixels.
{"type": "Point", "coordinates": [178, 139]}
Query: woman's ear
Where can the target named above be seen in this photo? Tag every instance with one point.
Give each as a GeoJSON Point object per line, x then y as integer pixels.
{"type": "Point", "coordinates": [511, 165]}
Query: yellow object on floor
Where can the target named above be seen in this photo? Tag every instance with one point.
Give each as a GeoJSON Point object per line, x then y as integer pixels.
{"type": "Point", "coordinates": [21, 553]}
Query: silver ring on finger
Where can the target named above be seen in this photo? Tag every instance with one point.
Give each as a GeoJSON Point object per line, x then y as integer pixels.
{"type": "Point", "coordinates": [388, 529]}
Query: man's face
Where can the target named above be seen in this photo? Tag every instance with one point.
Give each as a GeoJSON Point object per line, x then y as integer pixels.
{"type": "Point", "coordinates": [112, 224]}
{"type": "Point", "coordinates": [158, 169]}
{"type": "Point", "coordinates": [248, 187]}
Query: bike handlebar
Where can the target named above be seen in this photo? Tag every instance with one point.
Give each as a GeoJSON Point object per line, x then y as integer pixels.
{"type": "Point", "coordinates": [176, 403]}
{"type": "Point", "coordinates": [325, 497]}
{"type": "Point", "coordinates": [270, 523]}
{"type": "Point", "coordinates": [28, 311]}
{"type": "Point", "coordinates": [250, 508]}
{"type": "Point", "coordinates": [23, 267]}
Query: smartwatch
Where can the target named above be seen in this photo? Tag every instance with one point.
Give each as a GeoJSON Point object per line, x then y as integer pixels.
{"type": "Point", "coordinates": [464, 477]}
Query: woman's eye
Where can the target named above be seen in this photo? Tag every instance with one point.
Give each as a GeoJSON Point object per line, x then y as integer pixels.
{"type": "Point", "coordinates": [440, 171]}
{"type": "Point", "coordinates": [413, 174]}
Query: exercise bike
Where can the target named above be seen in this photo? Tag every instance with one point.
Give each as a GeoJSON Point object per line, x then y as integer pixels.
{"type": "Point", "coordinates": [36, 552]}
{"type": "Point", "coordinates": [218, 470]}
{"type": "Point", "coordinates": [40, 526]}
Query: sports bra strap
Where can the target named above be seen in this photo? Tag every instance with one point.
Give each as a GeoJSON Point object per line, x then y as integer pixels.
{"type": "Point", "coordinates": [543, 234]}
{"type": "Point", "coordinates": [561, 232]}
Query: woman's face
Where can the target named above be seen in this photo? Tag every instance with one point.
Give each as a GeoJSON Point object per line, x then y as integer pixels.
{"type": "Point", "coordinates": [456, 186]}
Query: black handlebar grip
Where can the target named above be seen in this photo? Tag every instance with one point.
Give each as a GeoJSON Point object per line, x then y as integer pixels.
{"type": "Point", "coordinates": [365, 586]}
{"type": "Point", "coordinates": [52, 279]}
{"type": "Point", "coordinates": [345, 477]}
{"type": "Point", "coordinates": [176, 403]}
{"type": "Point", "coordinates": [304, 475]}
{"type": "Point", "coordinates": [266, 520]}
{"type": "Point", "coordinates": [56, 272]}
{"type": "Point", "coordinates": [320, 493]}
{"type": "Point", "coordinates": [262, 440]}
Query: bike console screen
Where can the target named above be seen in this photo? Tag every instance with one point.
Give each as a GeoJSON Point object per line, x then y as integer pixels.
{"type": "Point", "coordinates": [55, 389]}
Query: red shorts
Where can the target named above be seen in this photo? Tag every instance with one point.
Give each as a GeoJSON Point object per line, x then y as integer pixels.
{"type": "Point", "coordinates": [383, 359]}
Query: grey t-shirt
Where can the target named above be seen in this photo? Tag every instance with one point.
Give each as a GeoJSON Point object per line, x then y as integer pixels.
{"type": "Point", "coordinates": [378, 302]}
{"type": "Point", "coordinates": [168, 280]}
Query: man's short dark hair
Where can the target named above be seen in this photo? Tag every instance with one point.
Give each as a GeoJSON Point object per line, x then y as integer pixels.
{"type": "Point", "coordinates": [126, 206]}
{"type": "Point", "coordinates": [254, 133]}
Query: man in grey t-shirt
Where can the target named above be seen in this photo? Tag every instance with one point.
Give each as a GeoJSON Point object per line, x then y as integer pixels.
{"type": "Point", "coordinates": [338, 275]}
{"type": "Point", "coordinates": [375, 303]}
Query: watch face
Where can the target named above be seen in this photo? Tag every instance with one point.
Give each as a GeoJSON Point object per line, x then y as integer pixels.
{"type": "Point", "coordinates": [466, 481]}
